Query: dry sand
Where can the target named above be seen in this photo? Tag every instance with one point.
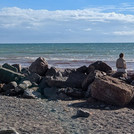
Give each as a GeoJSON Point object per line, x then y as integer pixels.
{"type": "Point", "coordinates": [30, 116]}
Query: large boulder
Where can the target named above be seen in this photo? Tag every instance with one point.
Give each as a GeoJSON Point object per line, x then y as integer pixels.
{"type": "Point", "coordinates": [7, 75]}
{"type": "Point", "coordinates": [39, 66]}
{"type": "Point", "coordinates": [90, 78]}
{"type": "Point", "coordinates": [65, 78]}
{"type": "Point", "coordinates": [99, 65]}
{"type": "Point", "coordinates": [112, 90]}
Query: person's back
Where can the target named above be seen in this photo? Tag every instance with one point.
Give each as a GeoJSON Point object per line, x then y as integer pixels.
{"type": "Point", "coordinates": [121, 64]}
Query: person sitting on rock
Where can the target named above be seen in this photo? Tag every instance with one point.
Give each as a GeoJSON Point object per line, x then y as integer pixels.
{"type": "Point", "coordinates": [121, 63]}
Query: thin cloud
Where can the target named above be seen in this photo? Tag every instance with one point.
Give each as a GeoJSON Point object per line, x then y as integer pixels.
{"type": "Point", "coordinates": [17, 17]}
{"type": "Point", "coordinates": [122, 33]}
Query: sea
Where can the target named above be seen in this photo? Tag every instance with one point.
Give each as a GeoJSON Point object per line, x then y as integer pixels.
{"type": "Point", "coordinates": [67, 55]}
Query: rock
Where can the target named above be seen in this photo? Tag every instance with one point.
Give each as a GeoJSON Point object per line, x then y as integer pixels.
{"type": "Point", "coordinates": [33, 78]}
{"type": "Point", "coordinates": [120, 75]}
{"type": "Point", "coordinates": [25, 84]}
{"type": "Point", "coordinates": [50, 93]}
{"type": "Point", "coordinates": [31, 94]}
{"type": "Point", "coordinates": [88, 92]}
{"type": "Point", "coordinates": [66, 78]}
{"type": "Point", "coordinates": [90, 78]}
{"type": "Point", "coordinates": [111, 72]}
{"type": "Point", "coordinates": [112, 90]}
{"type": "Point", "coordinates": [6, 76]}
{"type": "Point", "coordinates": [72, 92]}
{"type": "Point", "coordinates": [10, 67]}
{"type": "Point", "coordinates": [91, 100]}
{"type": "Point", "coordinates": [39, 66]}
{"type": "Point", "coordinates": [11, 85]}
{"type": "Point", "coordinates": [54, 71]}
{"type": "Point", "coordinates": [8, 131]}
{"type": "Point", "coordinates": [99, 65]}
{"type": "Point", "coordinates": [25, 71]}
{"type": "Point", "coordinates": [1, 87]}
{"type": "Point", "coordinates": [63, 96]}
{"type": "Point", "coordinates": [132, 83]}
{"type": "Point", "coordinates": [43, 84]}
{"type": "Point", "coordinates": [10, 89]}
{"type": "Point", "coordinates": [19, 90]}
{"type": "Point", "coordinates": [18, 66]}
{"type": "Point", "coordinates": [82, 113]}
{"type": "Point", "coordinates": [82, 69]}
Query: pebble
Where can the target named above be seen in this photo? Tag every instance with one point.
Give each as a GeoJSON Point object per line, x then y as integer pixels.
{"type": "Point", "coordinates": [82, 113]}
{"type": "Point", "coordinates": [107, 108]}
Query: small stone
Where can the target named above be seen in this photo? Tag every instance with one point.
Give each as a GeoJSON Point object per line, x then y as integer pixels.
{"type": "Point", "coordinates": [107, 108]}
{"type": "Point", "coordinates": [53, 110]}
{"type": "Point", "coordinates": [82, 113]}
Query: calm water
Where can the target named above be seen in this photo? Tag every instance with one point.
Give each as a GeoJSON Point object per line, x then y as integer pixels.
{"type": "Point", "coordinates": [67, 54]}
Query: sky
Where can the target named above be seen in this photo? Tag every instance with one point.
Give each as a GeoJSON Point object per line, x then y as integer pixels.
{"type": "Point", "coordinates": [66, 21]}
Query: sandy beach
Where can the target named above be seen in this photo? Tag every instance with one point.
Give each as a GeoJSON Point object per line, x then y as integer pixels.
{"type": "Point", "coordinates": [57, 117]}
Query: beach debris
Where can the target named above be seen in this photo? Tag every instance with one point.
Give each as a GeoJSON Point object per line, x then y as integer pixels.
{"type": "Point", "coordinates": [39, 66]}
{"type": "Point", "coordinates": [112, 90]}
{"type": "Point", "coordinates": [90, 78]}
{"type": "Point", "coordinates": [99, 65]}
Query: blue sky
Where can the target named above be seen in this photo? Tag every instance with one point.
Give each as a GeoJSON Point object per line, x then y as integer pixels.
{"type": "Point", "coordinates": [66, 21]}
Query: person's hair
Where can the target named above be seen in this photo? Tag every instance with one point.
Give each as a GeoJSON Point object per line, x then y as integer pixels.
{"type": "Point", "coordinates": [121, 55]}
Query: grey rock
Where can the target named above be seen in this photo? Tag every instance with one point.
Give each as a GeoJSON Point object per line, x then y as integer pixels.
{"type": "Point", "coordinates": [33, 77]}
{"type": "Point", "coordinates": [65, 78]}
{"type": "Point", "coordinates": [72, 92]}
{"type": "Point", "coordinates": [10, 67]}
{"type": "Point", "coordinates": [50, 93]}
{"type": "Point", "coordinates": [25, 84]}
{"type": "Point", "coordinates": [39, 66]}
{"type": "Point", "coordinates": [82, 69]}
{"type": "Point", "coordinates": [8, 131]}
{"type": "Point", "coordinates": [99, 65]}
{"type": "Point", "coordinates": [25, 71]}
{"type": "Point", "coordinates": [82, 113]}
{"type": "Point", "coordinates": [18, 66]}
{"type": "Point", "coordinates": [6, 75]}
{"type": "Point", "coordinates": [31, 94]}
{"type": "Point", "coordinates": [11, 85]}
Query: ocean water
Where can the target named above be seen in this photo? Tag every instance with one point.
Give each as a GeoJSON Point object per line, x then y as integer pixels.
{"type": "Point", "coordinates": [67, 55]}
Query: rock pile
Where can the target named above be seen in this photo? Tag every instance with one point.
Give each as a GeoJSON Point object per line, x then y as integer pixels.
{"type": "Point", "coordinates": [97, 81]}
